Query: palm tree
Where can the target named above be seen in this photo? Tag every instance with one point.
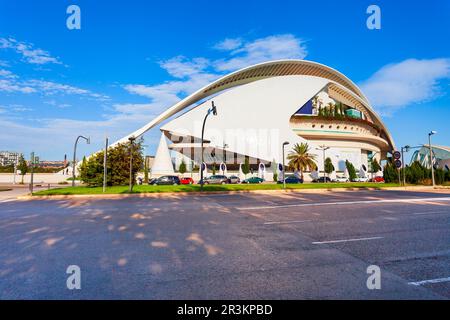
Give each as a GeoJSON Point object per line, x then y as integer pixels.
{"type": "Point", "coordinates": [300, 159]}
{"type": "Point", "coordinates": [331, 108]}
{"type": "Point", "coordinates": [316, 105]}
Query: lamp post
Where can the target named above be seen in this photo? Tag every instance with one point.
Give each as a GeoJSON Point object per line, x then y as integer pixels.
{"type": "Point", "coordinates": [431, 156]}
{"type": "Point", "coordinates": [131, 139]}
{"type": "Point", "coordinates": [404, 149]}
{"type": "Point", "coordinates": [105, 158]}
{"type": "Point", "coordinates": [323, 148]}
{"type": "Point", "coordinates": [32, 159]}
{"type": "Point", "coordinates": [88, 141]}
{"type": "Point", "coordinates": [212, 110]}
{"type": "Point", "coordinates": [284, 169]}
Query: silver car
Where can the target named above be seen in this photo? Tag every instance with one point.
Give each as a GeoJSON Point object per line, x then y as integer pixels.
{"type": "Point", "coordinates": [234, 179]}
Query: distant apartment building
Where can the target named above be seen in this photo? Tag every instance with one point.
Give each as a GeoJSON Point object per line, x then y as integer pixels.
{"type": "Point", "coordinates": [8, 158]}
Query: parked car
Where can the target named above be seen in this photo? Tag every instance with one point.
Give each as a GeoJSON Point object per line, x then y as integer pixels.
{"type": "Point", "coordinates": [166, 180]}
{"type": "Point", "coordinates": [187, 180]}
{"type": "Point", "coordinates": [340, 179]}
{"type": "Point", "coordinates": [377, 179]}
{"type": "Point", "coordinates": [216, 179]}
{"type": "Point", "coordinates": [322, 179]}
{"type": "Point", "coordinates": [292, 180]}
{"type": "Point", "coordinates": [359, 179]}
{"type": "Point", "coordinates": [253, 180]}
{"type": "Point", "coordinates": [234, 179]}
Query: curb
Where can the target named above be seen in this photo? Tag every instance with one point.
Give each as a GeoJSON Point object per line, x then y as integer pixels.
{"type": "Point", "coordinates": [197, 193]}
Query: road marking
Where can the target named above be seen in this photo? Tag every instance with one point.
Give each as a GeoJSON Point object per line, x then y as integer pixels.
{"type": "Point", "coordinates": [344, 203]}
{"type": "Point", "coordinates": [347, 240]}
{"type": "Point", "coordinates": [430, 212]}
{"type": "Point", "coordinates": [286, 222]}
{"type": "Point", "coordinates": [7, 200]}
{"type": "Point", "coordinates": [439, 280]}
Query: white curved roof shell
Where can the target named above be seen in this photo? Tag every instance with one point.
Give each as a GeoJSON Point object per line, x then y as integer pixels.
{"type": "Point", "coordinates": [272, 90]}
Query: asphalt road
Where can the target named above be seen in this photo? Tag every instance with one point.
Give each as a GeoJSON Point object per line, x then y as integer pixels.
{"type": "Point", "coordinates": [242, 246]}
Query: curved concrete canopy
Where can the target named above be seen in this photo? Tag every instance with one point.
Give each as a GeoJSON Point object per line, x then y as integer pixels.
{"type": "Point", "coordinates": [257, 72]}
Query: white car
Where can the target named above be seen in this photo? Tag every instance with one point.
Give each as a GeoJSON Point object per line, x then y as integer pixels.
{"type": "Point", "coordinates": [359, 179]}
{"type": "Point", "coordinates": [340, 179]}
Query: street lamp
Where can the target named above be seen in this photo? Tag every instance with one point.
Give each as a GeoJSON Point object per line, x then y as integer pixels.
{"type": "Point", "coordinates": [131, 139]}
{"type": "Point", "coordinates": [323, 148]}
{"type": "Point", "coordinates": [212, 110]}
{"type": "Point", "coordinates": [431, 156]}
{"type": "Point", "coordinates": [88, 141]}
{"type": "Point", "coordinates": [284, 170]}
{"type": "Point", "coordinates": [404, 149]}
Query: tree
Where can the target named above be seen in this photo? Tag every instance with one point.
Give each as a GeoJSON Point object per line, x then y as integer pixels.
{"type": "Point", "coordinates": [300, 159]}
{"type": "Point", "coordinates": [182, 167]}
{"type": "Point", "coordinates": [329, 168]}
{"type": "Point", "coordinates": [214, 168]}
{"type": "Point", "coordinates": [351, 170]}
{"type": "Point", "coordinates": [145, 171]}
{"type": "Point", "coordinates": [390, 173]}
{"type": "Point", "coordinates": [316, 105]}
{"type": "Point", "coordinates": [331, 108]}
{"type": "Point", "coordinates": [23, 167]}
{"type": "Point", "coordinates": [246, 167]}
{"type": "Point", "coordinates": [118, 165]}
{"type": "Point", "coordinates": [274, 168]}
{"type": "Point", "coordinates": [375, 166]}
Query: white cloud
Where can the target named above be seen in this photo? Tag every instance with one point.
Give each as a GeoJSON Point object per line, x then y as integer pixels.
{"type": "Point", "coordinates": [198, 72]}
{"type": "Point", "coordinates": [46, 88]}
{"type": "Point", "coordinates": [28, 53]}
{"type": "Point", "coordinates": [229, 44]}
{"type": "Point", "coordinates": [7, 74]}
{"type": "Point", "coordinates": [10, 86]}
{"type": "Point", "coordinates": [180, 67]}
{"type": "Point", "coordinates": [275, 47]}
{"type": "Point", "coordinates": [401, 84]}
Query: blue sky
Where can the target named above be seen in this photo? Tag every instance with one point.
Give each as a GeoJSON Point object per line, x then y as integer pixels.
{"type": "Point", "coordinates": [132, 59]}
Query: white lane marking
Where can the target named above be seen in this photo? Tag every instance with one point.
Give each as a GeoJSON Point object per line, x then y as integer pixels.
{"type": "Point", "coordinates": [430, 212]}
{"type": "Point", "coordinates": [439, 280]}
{"type": "Point", "coordinates": [347, 240]}
{"type": "Point", "coordinates": [344, 203]}
{"type": "Point", "coordinates": [7, 200]}
{"type": "Point", "coordinates": [286, 222]}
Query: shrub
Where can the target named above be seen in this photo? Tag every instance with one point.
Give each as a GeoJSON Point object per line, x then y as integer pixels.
{"type": "Point", "coordinates": [329, 168]}
{"type": "Point", "coordinates": [390, 173]}
{"type": "Point", "coordinates": [182, 167]}
{"type": "Point", "coordinates": [118, 165]}
{"type": "Point", "coordinates": [246, 167]}
{"type": "Point", "coordinates": [351, 170]}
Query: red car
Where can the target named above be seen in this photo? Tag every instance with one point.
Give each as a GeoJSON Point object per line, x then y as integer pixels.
{"type": "Point", "coordinates": [187, 181]}
{"type": "Point", "coordinates": [378, 179]}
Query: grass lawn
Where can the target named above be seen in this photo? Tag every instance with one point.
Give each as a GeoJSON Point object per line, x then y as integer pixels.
{"type": "Point", "coordinates": [218, 188]}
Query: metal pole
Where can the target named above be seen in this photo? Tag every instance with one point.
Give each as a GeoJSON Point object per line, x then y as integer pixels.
{"type": "Point", "coordinates": [403, 167]}
{"type": "Point", "coordinates": [201, 165]}
{"type": "Point", "coordinates": [88, 140]}
{"type": "Point", "coordinates": [32, 172]}
{"type": "Point", "coordinates": [284, 170]}
{"type": "Point", "coordinates": [431, 160]}
{"type": "Point", "coordinates": [324, 173]}
{"type": "Point", "coordinates": [104, 164]}
{"type": "Point", "coordinates": [74, 161]}
{"type": "Point", "coordinates": [15, 172]}
{"type": "Point", "coordinates": [130, 189]}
